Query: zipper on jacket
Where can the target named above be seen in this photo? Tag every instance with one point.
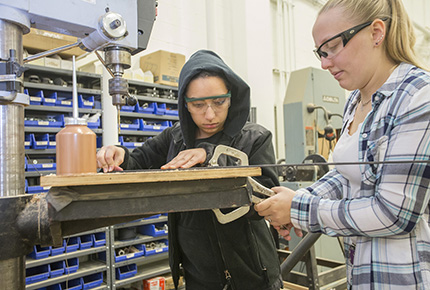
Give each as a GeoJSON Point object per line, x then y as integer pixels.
{"type": "Point", "coordinates": [227, 277]}
{"type": "Point", "coordinates": [226, 272]}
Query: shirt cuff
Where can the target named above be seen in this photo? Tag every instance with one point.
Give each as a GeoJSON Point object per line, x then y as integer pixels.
{"type": "Point", "coordinates": [304, 212]}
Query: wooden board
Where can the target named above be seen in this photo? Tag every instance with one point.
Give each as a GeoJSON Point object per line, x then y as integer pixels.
{"type": "Point", "coordinates": [148, 176]}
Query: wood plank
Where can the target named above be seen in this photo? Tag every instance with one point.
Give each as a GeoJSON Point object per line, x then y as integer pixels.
{"type": "Point", "coordinates": [292, 286]}
{"type": "Point", "coordinates": [148, 176]}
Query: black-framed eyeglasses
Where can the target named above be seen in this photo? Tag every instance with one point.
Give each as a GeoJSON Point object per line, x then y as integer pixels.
{"type": "Point", "coordinates": [334, 45]}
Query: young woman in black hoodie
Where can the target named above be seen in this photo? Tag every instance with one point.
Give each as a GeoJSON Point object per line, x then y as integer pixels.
{"type": "Point", "coordinates": [213, 105]}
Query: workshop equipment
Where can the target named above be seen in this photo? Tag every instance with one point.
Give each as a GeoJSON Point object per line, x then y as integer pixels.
{"type": "Point", "coordinates": [313, 101]}
{"type": "Point", "coordinates": [99, 25]}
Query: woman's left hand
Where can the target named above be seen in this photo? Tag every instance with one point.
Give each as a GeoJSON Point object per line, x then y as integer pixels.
{"type": "Point", "coordinates": [186, 159]}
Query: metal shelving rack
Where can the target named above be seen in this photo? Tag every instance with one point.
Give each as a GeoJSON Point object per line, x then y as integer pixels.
{"type": "Point", "coordinates": [89, 264]}
{"type": "Point", "coordinates": [148, 266]}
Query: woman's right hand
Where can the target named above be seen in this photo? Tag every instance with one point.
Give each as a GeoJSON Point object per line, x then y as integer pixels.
{"type": "Point", "coordinates": [110, 157]}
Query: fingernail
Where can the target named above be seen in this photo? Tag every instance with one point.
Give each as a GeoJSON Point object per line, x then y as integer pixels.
{"type": "Point", "coordinates": [110, 168]}
{"type": "Point", "coordinates": [105, 169]}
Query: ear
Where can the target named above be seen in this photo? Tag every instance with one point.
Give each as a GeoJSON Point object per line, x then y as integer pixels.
{"type": "Point", "coordinates": [378, 31]}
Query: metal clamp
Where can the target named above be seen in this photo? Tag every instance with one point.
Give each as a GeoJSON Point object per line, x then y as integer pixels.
{"type": "Point", "coordinates": [243, 158]}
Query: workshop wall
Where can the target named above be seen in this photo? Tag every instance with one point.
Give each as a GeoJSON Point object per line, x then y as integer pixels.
{"type": "Point", "coordinates": [263, 41]}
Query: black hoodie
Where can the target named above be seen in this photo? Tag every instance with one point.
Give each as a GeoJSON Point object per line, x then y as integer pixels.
{"type": "Point", "coordinates": [205, 60]}
{"type": "Point", "coordinates": [242, 253]}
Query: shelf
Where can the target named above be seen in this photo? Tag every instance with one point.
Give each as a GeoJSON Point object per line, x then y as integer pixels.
{"type": "Point", "coordinates": [42, 86]}
{"type": "Point", "coordinates": [148, 116]}
{"type": "Point", "coordinates": [101, 287]}
{"type": "Point", "coordinates": [140, 239]}
{"type": "Point", "coordinates": [142, 222]}
{"type": "Point", "coordinates": [152, 85]}
{"type": "Point", "coordinates": [40, 151]}
{"type": "Point", "coordinates": [145, 272]}
{"type": "Point", "coordinates": [30, 262]}
{"type": "Point", "coordinates": [85, 268]}
{"type": "Point", "coordinates": [138, 133]}
{"type": "Point", "coordinates": [88, 232]}
{"type": "Point", "coordinates": [52, 130]}
{"type": "Point", "coordinates": [158, 100]}
{"type": "Point", "coordinates": [60, 109]}
{"type": "Point", "coordinates": [39, 173]}
{"type": "Point", "coordinates": [59, 71]}
{"type": "Point", "coordinates": [144, 260]}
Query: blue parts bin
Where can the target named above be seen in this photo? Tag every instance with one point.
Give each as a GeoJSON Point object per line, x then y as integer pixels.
{"type": "Point", "coordinates": [126, 108]}
{"type": "Point", "coordinates": [146, 108]}
{"type": "Point", "coordinates": [75, 284]}
{"type": "Point", "coordinates": [36, 98]}
{"type": "Point", "coordinates": [50, 99]}
{"type": "Point", "coordinates": [131, 142]}
{"type": "Point", "coordinates": [126, 253]}
{"type": "Point", "coordinates": [34, 189]}
{"type": "Point", "coordinates": [39, 141]}
{"type": "Point", "coordinates": [125, 272]}
{"type": "Point", "coordinates": [85, 242]}
{"type": "Point", "coordinates": [55, 121]}
{"type": "Point", "coordinates": [130, 124]}
{"type": "Point", "coordinates": [160, 109]}
{"type": "Point", "coordinates": [64, 102]}
{"type": "Point", "coordinates": [154, 230]}
{"type": "Point", "coordinates": [99, 239]}
{"type": "Point", "coordinates": [39, 164]}
{"type": "Point", "coordinates": [156, 126]}
{"type": "Point", "coordinates": [57, 269]}
{"type": "Point", "coordinates": [71, 265]}
{"type": "Point", "coordinates": [92, 281]}
{"type": "Point", "coordinates": [72, 244]}
{"type": "Point", "coordinates": [58, 250]}
{"type": "Point", "coordinates": [156, 247]}
{"type": "Point", "coordinates": [85, 102]}
{"type": "Point", "coordinates": [40, 252]}
{"type": "Point", "coordinates": [36, 274]}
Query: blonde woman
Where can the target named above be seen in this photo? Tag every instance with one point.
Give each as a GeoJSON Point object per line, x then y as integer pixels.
{"type": "Point", "coordinates": [381, 209]}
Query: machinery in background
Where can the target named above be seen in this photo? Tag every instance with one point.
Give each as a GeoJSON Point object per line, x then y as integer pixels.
{"type": "Point", "coordinates": [313, 108]}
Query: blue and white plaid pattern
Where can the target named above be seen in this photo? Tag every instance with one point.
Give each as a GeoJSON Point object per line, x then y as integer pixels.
{"type": "Point", "coordinates": [390, 218]}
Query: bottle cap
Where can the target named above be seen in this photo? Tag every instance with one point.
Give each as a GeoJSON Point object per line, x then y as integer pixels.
{"type": "Point", "coordinates": [74, 121]}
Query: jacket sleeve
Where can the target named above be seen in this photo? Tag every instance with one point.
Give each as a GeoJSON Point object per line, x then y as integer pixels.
{"type": "Point", "coordinates": [151, 155]}
{"type": "Point", "coordinates": [394, 196]}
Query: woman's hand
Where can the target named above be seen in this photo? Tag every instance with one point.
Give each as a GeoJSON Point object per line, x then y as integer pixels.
{"type": "Point", "coordinates": [110, 157]}
{"type": "Point", "coordinates": [285, 231]}
{"type": "Point", "coordinates": [276, 209]}
{"type": "Point", "coordinates": [186, 159]}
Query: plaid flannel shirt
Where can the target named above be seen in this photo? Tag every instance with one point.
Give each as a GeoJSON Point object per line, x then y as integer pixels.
{"type": "Point", "coordinates": [390, 219]}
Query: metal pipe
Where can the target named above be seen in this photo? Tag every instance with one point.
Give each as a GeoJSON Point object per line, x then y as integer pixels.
{"type": "Point", "coordinates": [299, 252]}
{"type": "Point", "coordinates": [12, 178]}
{"type": "Point", "coordinates": [74, 90]}
{"type": "Point", "coordinates": [51, 52]}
